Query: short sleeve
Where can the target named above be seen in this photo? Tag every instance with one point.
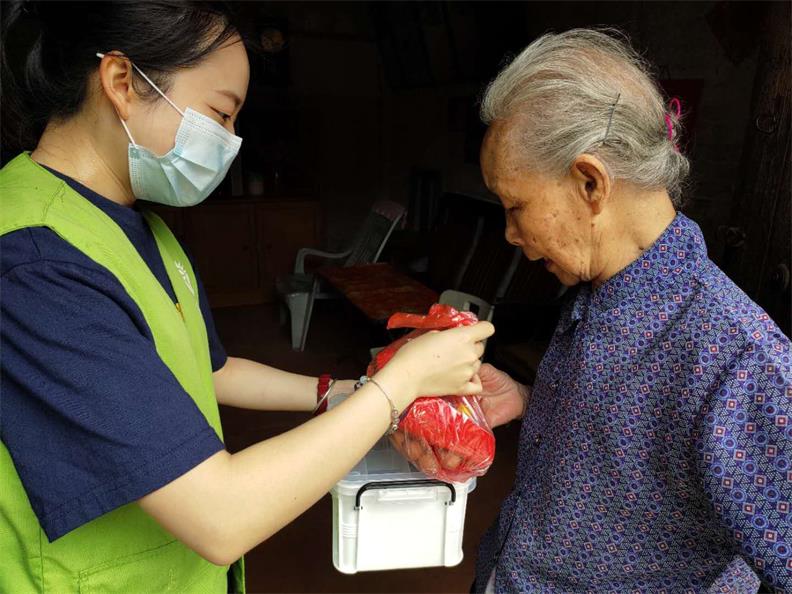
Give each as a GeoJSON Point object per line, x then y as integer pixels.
{"type": "Point", "coordinates": [745, 456]}
{"type": "Point", "coordinates": [92, 417]}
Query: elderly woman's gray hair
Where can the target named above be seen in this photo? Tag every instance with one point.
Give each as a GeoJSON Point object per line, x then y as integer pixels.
{"type": "Point", "coordinates": [589, 91]}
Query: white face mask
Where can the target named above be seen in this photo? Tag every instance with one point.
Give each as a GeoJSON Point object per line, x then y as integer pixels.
{"type": "Point", "coordinates": [192, 169]}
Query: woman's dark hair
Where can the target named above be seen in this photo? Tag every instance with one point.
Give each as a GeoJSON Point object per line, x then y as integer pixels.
{"type": "Point", "coordinates": [49, 52]}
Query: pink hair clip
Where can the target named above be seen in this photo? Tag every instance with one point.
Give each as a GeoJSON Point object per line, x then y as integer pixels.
{"type": "Point", "coordinates": [677, 106]}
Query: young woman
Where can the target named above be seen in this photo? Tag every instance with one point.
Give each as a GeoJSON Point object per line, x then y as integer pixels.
{"type": "Point", "coordinates": [113, 473]}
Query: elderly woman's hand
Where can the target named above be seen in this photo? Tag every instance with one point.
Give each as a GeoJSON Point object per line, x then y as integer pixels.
{"type": "Point", "coordinates": [502, 399]}
{"type": "Point", "coordinates": [415, 450]}
{"type": "Point", "coordinates": [420, 454]}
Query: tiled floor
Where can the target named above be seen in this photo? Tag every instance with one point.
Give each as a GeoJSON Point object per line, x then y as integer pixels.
{"type": "Point", "coordinates": [299, 557]}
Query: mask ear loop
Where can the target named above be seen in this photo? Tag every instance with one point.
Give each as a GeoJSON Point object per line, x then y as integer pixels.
{"type": "Point", "coordinates": [155, 87]}
{"type": "Point", "coordinates": [128, 133]}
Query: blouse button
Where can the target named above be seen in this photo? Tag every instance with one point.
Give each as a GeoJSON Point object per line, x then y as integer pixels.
{"type": "Point", "coordinates": [537, 439]}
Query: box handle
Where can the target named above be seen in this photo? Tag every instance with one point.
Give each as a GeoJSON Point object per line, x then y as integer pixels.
{"type": "Point", "coordinates": [403, 485]}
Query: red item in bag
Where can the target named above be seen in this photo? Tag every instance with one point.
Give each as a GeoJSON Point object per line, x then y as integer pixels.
{"type": "Point", "coordinates": [450, 432]}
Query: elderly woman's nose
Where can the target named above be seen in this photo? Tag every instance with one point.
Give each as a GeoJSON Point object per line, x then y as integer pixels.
{"type": "Point", "coordinates": [512, 236]}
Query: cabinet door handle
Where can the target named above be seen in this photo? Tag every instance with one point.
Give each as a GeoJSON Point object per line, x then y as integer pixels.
{"type": "Point", "coordinates": [779, 278]}
{"type": "Point", "coordinates": [766, 123]}
{"type": "Point", "coordinates": [733, 237]}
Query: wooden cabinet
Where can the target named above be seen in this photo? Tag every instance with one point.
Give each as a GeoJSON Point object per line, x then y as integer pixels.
{"type": "Point", "coordinates": [240, 247]}
{"type": "Point", "coordinates": [222, 240]}
{"type": "Point", "coordinates": [283, 229]}
{"type": "Point", "coordinates": [757, 252]}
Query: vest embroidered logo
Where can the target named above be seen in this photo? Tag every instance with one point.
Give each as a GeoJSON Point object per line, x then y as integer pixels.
{"type": "Point", "coordinates": [185, 276]}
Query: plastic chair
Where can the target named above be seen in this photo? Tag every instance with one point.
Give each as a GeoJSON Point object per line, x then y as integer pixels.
{"type": "Point", "coordinates": [461, 302]}
{"type": "Point", "coordinates": [467, 302]}
{"type": "Point", "coordinates": [299, 290]}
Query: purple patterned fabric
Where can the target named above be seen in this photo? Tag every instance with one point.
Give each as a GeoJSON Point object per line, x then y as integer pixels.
{"type": "Point", "coordinates": [655, 454]}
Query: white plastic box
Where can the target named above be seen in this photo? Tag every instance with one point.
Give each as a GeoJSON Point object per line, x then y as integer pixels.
{"type": "Point", "coordinates": [387, 515]}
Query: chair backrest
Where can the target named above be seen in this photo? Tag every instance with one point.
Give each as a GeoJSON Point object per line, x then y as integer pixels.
{"type": "Point", "coordinates": [508, 276]}
{"type": "Point", "coordinates": [450, 247]}
{"type": "Point", "coordinates": [467, 257]}
{"type": "Point", "coordinates": [529, 284]}
{"type": "Point", "coordinates": [467, 302]}
{"type": "Point", "coordinates": [425, 192]}
{"type": "Point", "coordinates": [489, 263]}
{"type": "Point", "coordinates": [454, 242]}
{"type": "Point", "coordinates": [375, 232]}
{"type": "Point", "coordinates": [461, 302]}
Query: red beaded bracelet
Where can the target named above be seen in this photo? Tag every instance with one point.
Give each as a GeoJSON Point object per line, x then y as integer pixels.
{"type": "Point", "coordinates": [322, 387]}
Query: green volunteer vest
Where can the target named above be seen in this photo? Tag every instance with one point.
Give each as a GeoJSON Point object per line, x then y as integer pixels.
{"type": "Point", "coordinates": [124, 550]}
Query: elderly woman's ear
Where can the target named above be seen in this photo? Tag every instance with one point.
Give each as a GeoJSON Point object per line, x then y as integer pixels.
{"type": "Point", "coordinates": [591, 181]}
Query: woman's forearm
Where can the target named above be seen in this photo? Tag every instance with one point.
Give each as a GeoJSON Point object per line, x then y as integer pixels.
{"type": "Point", "coordinates": [229, 503]}
{"type": "Point", "coordinates": [247, 384]}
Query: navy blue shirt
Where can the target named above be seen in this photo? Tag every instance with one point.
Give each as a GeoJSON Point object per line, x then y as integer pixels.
{"type": "Point", "coordinates": [92, 417]}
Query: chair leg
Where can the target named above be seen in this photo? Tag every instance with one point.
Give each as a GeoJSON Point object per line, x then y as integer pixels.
{"type": "Point", "coordinates": [308, 312]}
{"type": "Point", "coordinates": [298, 305]}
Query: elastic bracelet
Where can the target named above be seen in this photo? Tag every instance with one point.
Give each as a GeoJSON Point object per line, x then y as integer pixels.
{"type": "Point", "coordinates": [323, 388]}
{"type": "Point", "coordinates": [394, 414]}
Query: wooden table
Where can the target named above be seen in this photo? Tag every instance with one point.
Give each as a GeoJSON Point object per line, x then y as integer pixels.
{"type": "Point", "coordinates": [379, 290]}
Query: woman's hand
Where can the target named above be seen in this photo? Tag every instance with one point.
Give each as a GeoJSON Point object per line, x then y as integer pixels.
{"type": "Point", "coordinates": [502, 399]}
{"type": "Point", "coordinates": [437, 364]}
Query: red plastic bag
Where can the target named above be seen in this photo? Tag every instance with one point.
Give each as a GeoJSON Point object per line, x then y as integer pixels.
{"type": "Point", "coordinates": [447, 437]}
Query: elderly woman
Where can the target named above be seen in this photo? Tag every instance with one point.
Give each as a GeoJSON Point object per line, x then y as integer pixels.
{"type": "Point", "coordinates": [655, 448]}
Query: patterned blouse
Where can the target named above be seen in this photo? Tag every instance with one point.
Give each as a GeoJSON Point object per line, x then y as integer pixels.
{"type": "Point", "coordinates": [656, 451]}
